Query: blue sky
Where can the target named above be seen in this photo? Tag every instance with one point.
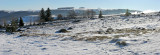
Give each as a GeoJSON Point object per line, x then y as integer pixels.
{"type": "Point", "coordinates": [53, 4]}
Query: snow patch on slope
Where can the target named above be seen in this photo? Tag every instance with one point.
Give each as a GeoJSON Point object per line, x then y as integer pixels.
{"type": "Point", "coordinates": [149, 11]}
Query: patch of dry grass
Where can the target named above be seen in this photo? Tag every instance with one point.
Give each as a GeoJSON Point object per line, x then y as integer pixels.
{"type": "Point", "coordinates": [35, 34]}
{"type": "Point", "coordinates": [94, 38]}
{"type": "Point", "coordinates": [123, 35]}
{"type": "Point", "coordinates": [121, 43]}
{"type": "Point", "coordinates": [128, 31]}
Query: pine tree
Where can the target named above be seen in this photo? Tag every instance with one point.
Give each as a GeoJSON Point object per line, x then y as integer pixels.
{"type": "Point", "coordinates": [13, 27]}
{"type": "Point", "coordinates": [127, 13]}
{"type": "Point", "coordinates": [42, 15]}
{"type": "Point", "coordinates": [100, 14]}
{"type": "Point", "coordinates": [48, 15]}
{"type": "Point", "coordinates": [21, 22]}
{"type": "Point", "coordinates": [59, 16]}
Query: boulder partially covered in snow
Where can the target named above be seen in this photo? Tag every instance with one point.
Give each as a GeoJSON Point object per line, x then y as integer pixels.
{"type": "Point", "coordinates": [109, 30]}
{"type": "Point", "coordinates": [62, 31]}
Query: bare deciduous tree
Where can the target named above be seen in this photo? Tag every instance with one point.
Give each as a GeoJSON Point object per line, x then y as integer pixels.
{"type": "Point", "coordinates": [90, 13]}
{"type": "Point", "coordinates": [72, 14]}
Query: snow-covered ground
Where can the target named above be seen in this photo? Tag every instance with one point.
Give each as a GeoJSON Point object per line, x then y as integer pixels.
{"type": "Point", "coordinates": [87, 37]}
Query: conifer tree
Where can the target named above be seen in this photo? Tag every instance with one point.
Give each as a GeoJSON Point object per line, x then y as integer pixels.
{"type": "Point", "coordinates": [127, 13]}
{"type": "Point", "coordinates": [42, 15]}
{"type": "Point", "coordinates": [100, 14]}
{"type": "Point", "coordinates": [48, 15]}
{"type": "Point", "coordinates": [21, 23]}
{"type": "Point", "coordinates": [13, 27]}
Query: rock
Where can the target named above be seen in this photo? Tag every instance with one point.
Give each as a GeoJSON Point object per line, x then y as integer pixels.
{"type": "Point", "coordinates": [70, 28]}
{"type": "Point", "coordinates": [109, 30]}
{"type": "Point", "coordinates": [76, 21]}
{"type": "Point", "coordinates": [62, 31]}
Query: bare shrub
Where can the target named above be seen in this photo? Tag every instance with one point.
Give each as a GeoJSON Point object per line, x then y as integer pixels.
{"type": "Point", "coordinates": [94, 38]}
{"type": "Point", "coordinates": [121, 43]}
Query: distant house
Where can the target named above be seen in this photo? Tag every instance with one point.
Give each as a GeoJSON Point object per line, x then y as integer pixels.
{"type": "Point", "coordinates": [82, 8]}
{"type": "Point", "coordinates": [66, 8]}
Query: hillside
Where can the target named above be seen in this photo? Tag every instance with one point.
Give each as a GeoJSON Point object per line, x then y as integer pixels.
{"type": "Point", "coordinates": [113, 35]}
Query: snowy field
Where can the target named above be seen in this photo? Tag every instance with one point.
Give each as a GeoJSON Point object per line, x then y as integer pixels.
{"type": "Point", "coordinates": [87, 37]}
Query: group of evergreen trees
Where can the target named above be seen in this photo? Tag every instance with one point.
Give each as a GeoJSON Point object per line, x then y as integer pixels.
{"type": "Point", "coordinates": [15, 24]}
{"type": "Point", "coordinates": [45, 15]}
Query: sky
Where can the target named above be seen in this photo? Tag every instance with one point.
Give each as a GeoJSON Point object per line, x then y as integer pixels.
{"type": "Point", "coordinates": [16, 5]}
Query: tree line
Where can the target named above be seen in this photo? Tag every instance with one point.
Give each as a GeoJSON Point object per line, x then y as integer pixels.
{"type": "Point", "coordinates": [46, 16]}
{"type": "Point", "coordinates": [84, 14]}
{"type": "Point", "coordinates": [14, 25]}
